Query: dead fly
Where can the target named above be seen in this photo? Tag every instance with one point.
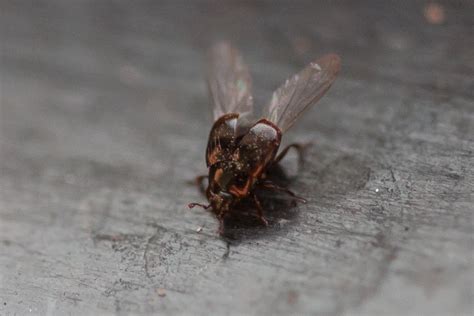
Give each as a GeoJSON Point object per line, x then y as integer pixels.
{"type": "Point", "coordinates": [240, 153]}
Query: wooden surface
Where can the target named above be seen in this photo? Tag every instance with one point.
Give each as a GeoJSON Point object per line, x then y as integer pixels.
{"type": "Point", "coordinates": [104, 118]}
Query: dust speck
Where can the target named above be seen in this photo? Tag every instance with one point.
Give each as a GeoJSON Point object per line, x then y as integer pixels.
{"type": "Point", "coordinates": [434, 13]}
{"type": "Point", "coordinates": [292, 297]}
{"type": "Point", "coordinates": [161, 292]}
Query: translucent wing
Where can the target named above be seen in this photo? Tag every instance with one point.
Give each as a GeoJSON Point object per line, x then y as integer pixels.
{"type": "Point", "coordinates": [301, 91]}
{"type": "Point", "coordinates": [229, 81]}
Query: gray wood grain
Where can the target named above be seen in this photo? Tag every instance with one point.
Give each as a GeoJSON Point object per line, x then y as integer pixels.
{"type": "Point", "coordinates": [104, 118]}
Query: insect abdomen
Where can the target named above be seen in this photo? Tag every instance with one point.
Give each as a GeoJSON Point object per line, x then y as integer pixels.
{"type": "Point", "coordinates": [258, 147]}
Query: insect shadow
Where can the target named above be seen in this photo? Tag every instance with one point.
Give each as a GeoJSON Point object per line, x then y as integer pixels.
{"type": "Point", "coordinates": [338, 176]}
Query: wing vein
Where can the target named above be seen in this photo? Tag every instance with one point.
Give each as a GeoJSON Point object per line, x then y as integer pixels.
{"type": "Point", "coordinates": [301, 91]}
{"type": "Point", "coordinates": [229, 81]}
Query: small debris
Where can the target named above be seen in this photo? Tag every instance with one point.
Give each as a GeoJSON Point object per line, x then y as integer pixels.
{"type": "Point", "coordinates": [161, 292]}
{"type": "Point", "coordinates": [377, 190]}
{"type": "Point", "coordinates": [113, 238]}
{"type": "Point", "coordinates": [292, 297]}
{"type": "Point", "coordinates": [199, 229]}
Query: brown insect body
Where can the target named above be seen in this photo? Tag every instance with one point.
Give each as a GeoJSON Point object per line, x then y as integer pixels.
{"type": "Point", "coordinates": [239, 154]}
{"type": "Point", "coordinates": [237, 159]}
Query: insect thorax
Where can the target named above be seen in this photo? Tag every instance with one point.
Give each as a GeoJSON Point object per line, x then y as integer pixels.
{"type": "Point", "coordinates": [235, 160]}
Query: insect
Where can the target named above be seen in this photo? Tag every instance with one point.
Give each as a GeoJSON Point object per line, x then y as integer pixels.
{"type": "Point", "coordinates": [240, 151]}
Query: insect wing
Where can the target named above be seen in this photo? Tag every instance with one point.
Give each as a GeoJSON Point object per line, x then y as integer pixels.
{"type": "Point", "coordinates": [229, 81]}
{"type": "Point", "coordinates": [301, 91]}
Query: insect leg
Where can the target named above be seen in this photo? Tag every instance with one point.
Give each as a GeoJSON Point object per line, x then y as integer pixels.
{"type": "Point", "coordinates": [299, 147]}
{"type": "Point", "coordinates": [220, 217]}
{"type": "Point", "coordinates": [260, 210]}
{"type": "Point", "coordinates": [220, 231]}
{"type": "Point", "coordinates": [273, 186]}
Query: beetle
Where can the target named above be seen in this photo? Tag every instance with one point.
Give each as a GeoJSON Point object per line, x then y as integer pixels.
{"type": "Point", "coordinates": [240, 151]}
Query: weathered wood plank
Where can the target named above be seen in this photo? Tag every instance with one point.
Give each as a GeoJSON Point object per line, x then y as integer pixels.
{"type": "Point", "coordinates": [104, 118]}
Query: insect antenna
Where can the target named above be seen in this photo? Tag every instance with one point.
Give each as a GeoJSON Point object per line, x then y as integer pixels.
{"type": "Point", "coordinates": [192, 205]}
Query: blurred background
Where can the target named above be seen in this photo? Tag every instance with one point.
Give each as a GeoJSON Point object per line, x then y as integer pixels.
{"type": "Point", "coordinates": [104, 117]}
